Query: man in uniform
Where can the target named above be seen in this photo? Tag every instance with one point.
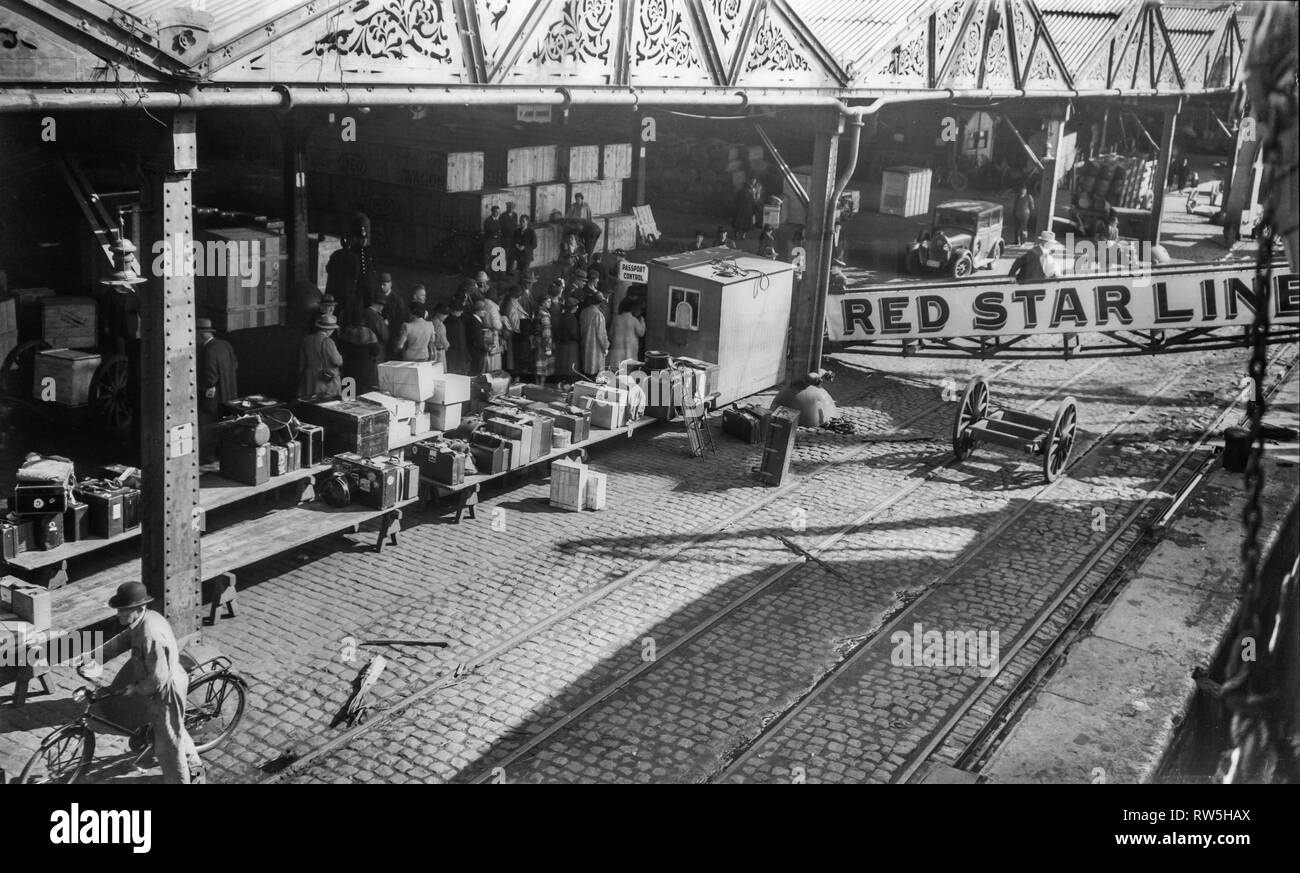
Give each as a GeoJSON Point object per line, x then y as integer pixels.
{"type": "Point", "coordinates": [151, 687]}
{"type": "Point", "coordinates": [217, 385]}
{"type": "Point", "coordinates": [351, 269]}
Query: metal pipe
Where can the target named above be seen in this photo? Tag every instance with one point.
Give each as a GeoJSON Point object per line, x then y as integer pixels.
{"type": "Point", "coordinates": [284, 97]}
{"type": "Point", "coordinates": [828, 244]}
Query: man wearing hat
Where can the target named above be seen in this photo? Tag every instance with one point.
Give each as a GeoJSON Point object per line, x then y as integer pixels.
{"type": "Point", "coordinates": [216, 377]}
{"type": "Point", "coordinates": [1037, 263]}
{"type": "Point", "coordinates": [150, 688]}
{"type": "Point", "coordinates": [350, 269]}
{"type": "Point", "coordinates": [319, 360]}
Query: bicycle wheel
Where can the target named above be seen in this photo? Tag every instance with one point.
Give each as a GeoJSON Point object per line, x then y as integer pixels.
{"type": "Point", "coordinates": [61, 758]}
{"type": "Point", "coordinates": [213, 708]}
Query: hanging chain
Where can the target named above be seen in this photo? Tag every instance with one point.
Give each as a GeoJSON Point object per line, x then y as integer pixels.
{"type": "Point", "coordinates": [1251, 689]}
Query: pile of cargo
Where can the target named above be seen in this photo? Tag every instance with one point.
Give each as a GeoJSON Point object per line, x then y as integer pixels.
{"type": "Point", "coordinates": [701, 174]}
{"type": "Point", "coordinates": [419, 181]}
{"type": "Point", "coordinates": [51, 505]}
{"type": "Point", "coordinates": [1123, 182]}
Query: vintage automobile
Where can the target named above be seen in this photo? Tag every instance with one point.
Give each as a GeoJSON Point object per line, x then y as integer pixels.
{"type": "Point", "coordinates": [964, 235]}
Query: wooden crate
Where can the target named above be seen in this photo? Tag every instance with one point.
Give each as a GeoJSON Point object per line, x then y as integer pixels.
{"type": "Point", "coordinates": [548, 244]}
{"type": "Point", "coordinates": [72, 372]}
{"type": "Point", "coordinates": [620, 232]}
{"type": "Point", "coordinates": [548, 198]}
{"type": "Point", "coordinates": [568, 484]}
{"type": "Point", "coordinates": [522, 197]}
{"type": "Point", "coordinates": [905, 191]}
{"type": "Point", "coordinates": [224, 280]}
{"type": "Point", "coordinates": [69, 322]}
{"type": "Point", "coordinates": [604, 197]}
{"type": "Point", "coordinates": [616, 161]}
{"type": "Point", "coordinates": [398, 160]}
{"type": "Point", "coordinates": [467, 211]}
{"type": "Point", "coordinates": [526, 165]}
{"type": "Point", "coordinates": [578, 163]}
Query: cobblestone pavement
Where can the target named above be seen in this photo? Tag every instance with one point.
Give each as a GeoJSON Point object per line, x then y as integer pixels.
{"type": "Point", "coordinates": [682, 539]}
{"type": "Point", "coordinates": [680, 720]}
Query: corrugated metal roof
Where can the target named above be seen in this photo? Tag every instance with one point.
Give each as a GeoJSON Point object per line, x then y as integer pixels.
{"type": "Point", "coordinates": [1188, 18]}
{"type": "Point", "coordinates": [854, 31]}
{"type": "Point", "coordinates": [1189, 48]}
{"type": "Point", "coordinates": [230, 18]}
{"type": "Point", "coordinates": [1092, 7]}
{"type": "Point", "coordinates": [1076, 34]}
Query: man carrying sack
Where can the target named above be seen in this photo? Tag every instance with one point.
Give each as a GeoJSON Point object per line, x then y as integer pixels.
{"type": "Point", "coordinates": [152, 685]}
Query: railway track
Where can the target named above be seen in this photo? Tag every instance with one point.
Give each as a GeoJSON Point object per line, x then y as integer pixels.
{"type": "Point", "coordinates": [665, 651]}
{"type": "Point", "coordinates": [1060, 631]}
{"type": "Point", "coordinates": [478, 660]}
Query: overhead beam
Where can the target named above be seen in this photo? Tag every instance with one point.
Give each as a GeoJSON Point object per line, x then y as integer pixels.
{"type": "Point", "coordinates": [786, 173]}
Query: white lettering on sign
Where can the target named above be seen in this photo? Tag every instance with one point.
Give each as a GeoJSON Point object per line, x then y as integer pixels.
{"type": "Point", "coordinates": [532, 114]}
{"type": "Point", "coordinates": [631, 272]}
{"type": "Point", "coordinates": [1166, 299]}
{"type": "Point", "coordinates": [180, 441]}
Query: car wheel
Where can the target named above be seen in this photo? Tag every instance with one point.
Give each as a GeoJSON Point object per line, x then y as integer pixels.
{"type": "Point", "coordinates": [962, 267]}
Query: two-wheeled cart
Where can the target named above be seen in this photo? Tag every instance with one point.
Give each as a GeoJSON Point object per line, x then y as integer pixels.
{"type": "Point", "coordinates": [1050, 439]}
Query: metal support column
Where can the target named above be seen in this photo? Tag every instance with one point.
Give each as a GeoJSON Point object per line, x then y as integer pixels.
{"type": "Point", "coordinates": [638, 159]}
{"type": "Point", "coordinates": [1242, 185]}
{"type": "Point", "coordinates": [1047, 190]}
{"type": "Point", "coordinates": [169, 399]}
{"type": "Point", "coordinates": [293, 144]}
{"type": "Point", "coordinates": [1163, 160]}
{"type": "Point", "coordinates": [806, 328]}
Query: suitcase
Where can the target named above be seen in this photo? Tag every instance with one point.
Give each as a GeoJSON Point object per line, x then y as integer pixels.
{"type": "Point", "coordinates": [778, 445]}
{"type": "Point", "coordinates": [373, 483]}
{"type": "Point", "coordinates": [8, 539]}
{"type": "Point", "coordinates": [490, 451]}
{"type": "Point", "coordinates": [279, 458]}
{"type": "Point", "coordinates": [76, 522]}
{"type": "Point", "coordinates": [293, 457]}
{"type": "Point", "coordinates": [350, 425]}
{"type": "Point", "coordinates": [521, 434]}
{"type": "Point", "coordinates": [31, 603]}
{"type": "Point", "coordinates": [41, 499]}
{"type": "Point", "coordinates": [744, 423]}
{"type": "Point", "coordinates": [114, 509]}
{"type": "Point", "coordinates": [576, 421]}
{"type": "Point", "coordinates": [48, 530]}
{"type": "Point", "coordinates": [250, 465]}
{"type": "Point", "coordinates": [246, 430]}
{"type": "Point", "coordinates": [607, 414]}
{"type": "Point", "coordinates": [311, 442]}
{"type": "Point", "coordinates": [408, 479]}
{"type": "Point", "coordinates": [24, 535]}
{"type": "Point", "coordinates": [437, 460]}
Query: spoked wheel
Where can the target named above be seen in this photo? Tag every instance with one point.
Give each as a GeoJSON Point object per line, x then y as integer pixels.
{"type": "Point", "coordinates": [974, 406]}
{"type": "Point", "coordinates": [1060, 440]}
{"type": "Point", "coordinates": [213, 708]}
{"type": "Point", "coordinates": [18, 372]}
{"type": "Point", "coordinates": [62, 757]}
{"type": "Point", "coordinates": [111, 394]}
{"type": "Point", "coordinates": [962, 267]}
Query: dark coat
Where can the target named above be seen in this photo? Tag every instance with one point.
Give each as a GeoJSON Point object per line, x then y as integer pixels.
{"type": "Point", "coordinates": [361, 353]}
{"type": "Point", "coordinates": [217, 368]}
{"type": "Point", "coordinates": [377, 323]}
{"type": "Point", "coordinates": [457, 345]}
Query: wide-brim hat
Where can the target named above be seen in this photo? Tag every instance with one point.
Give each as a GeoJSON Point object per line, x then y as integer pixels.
{"type": "Point", "coordinates": [327, 322]}
{"type": "Point", "coordinates": [482, 277]}
{"type": "Point", "coordinates": [130, 595]}
{"type": "Point", "coordinates": [1047, 237]}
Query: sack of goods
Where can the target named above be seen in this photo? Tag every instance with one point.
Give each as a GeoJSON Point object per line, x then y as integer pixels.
{"type": "Point", "coordinates": [410, 380]}
{"type": "Point", "coordinates": [746, 423]}
{"type": "Point", "coordinates": [44, 485]}
{"type": "Point", "coordinates": [373, 482]}
{"type": "Point", "coordinates": [247, 430]}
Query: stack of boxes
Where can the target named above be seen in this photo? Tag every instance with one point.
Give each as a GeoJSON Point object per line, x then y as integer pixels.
{"type": "Point", "coordinates": [24, 631]}
{"type": "Point", "coordinates": [239, 283]}
{"type": "Point", "coordinates": [418, 182]}
{"type": "Point", "coordinates": [575, 486]}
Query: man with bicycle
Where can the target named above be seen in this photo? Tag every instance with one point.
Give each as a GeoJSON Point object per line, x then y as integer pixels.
{"type": "Point", "coordinates": [151, 687]}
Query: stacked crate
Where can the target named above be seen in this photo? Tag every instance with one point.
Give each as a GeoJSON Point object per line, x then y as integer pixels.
{"type": "Point", "coordinates": [701, 174]}
{"type": "Point", "coordinates": [1122, 181]}
{"type": "Point", "coordinates": [416, 187]}
{"type": "Point", "coordinates": [225, 295]}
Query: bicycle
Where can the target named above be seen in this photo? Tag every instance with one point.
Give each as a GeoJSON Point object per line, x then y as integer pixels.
{"type": "Point", "coordinates": [64, 755]}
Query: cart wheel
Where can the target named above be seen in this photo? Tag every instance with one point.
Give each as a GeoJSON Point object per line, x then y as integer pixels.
{"type": "Point", "coordinates": [19, 369]}
{"type": "Point", "coordinates": [111, 393]}
{"type": "Point", "coordinates": [1060, 439]}
{"type": "Point", "coordinates": [974, 406]}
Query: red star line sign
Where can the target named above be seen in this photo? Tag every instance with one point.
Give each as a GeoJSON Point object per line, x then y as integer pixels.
{"type": "Point", "coordinates": [1190, 297]}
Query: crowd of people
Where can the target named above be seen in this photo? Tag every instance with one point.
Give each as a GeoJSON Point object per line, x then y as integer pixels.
{"type": "Point", "coordinates": [584, 321]}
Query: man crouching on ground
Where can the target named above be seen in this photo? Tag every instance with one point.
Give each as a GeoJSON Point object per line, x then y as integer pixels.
{"type": "Point", "coordinates": [153, 684]}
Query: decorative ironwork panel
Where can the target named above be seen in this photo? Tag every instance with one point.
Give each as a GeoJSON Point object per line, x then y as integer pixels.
{"type": "Point", "coordinates": [1094, 72]}
{"type": "Point", "coordinates": [582, 34]}
{"type": "Point", "coordinates": [997, 71]}
{"type": "Point", "coordinates": [773, 51]}
{"type": "Point", "coordinates": [1043, 72]}
{"type": "Point", "coordinates": [396, 29]}
{"type": "Point", "coordinates": [966, 64]}
{"type": "Point", "coordinates": [945, 26]}
{"type": "Point", "coordinates": [664, 38]}
{"type": "Point", "coordinates": [1023, 30]}
{"type": "Point", "coordinates": [29, 52]}
{"type": "Point", "coordinates": [1143, 54]}
{"type": "Point", "coordinates": [499, 22]}
{"type": "Point", "coordinates": [727, 20]}
{"type": "Point", "coordinates": [907, 63]}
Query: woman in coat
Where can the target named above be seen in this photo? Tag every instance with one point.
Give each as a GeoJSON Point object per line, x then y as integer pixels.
{"type": "Point", "coordinates": [439, 322]}
{"type": "Point", "coordinates": [319, 360]}
{"type": "Point", "coordinates": [594, 335]}
{"type": "Point", "coordinates": [457, 342]}
{"type": "Point", "coordinates": [629, 327]}
{"type": "Point", "coordinates": [478, 337]}
{"type": "Point", "coordinates": [568, 349]}
{"type": "Point", "coordinates": [362, 352]}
